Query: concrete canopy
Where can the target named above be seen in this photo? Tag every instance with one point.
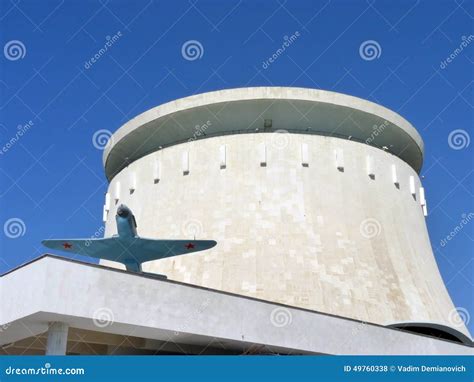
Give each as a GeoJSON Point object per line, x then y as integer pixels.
{"type": "Point", "coordinates": [82, 295]}
{"type": "Point", "coordinates": [243, 110]}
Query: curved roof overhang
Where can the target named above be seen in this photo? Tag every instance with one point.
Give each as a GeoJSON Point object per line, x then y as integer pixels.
{"type": "Point", "coordinates": [434, 329]}
{"type": "Point", "coordinates": [265, 109]}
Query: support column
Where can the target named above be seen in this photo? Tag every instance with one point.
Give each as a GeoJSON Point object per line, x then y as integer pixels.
{"type": "Point", "coordinates": [57, 338]}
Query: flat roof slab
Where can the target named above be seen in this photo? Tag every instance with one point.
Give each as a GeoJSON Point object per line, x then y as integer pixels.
{"type": "Point", "coordinates": [58, 289]}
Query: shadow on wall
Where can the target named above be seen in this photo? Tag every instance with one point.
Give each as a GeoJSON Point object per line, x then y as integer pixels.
{"type": "Point", "coordinates": [434, 330]}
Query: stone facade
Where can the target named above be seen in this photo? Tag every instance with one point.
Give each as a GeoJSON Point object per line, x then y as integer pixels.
{"type": "Point", "coordinates": [312, 221]}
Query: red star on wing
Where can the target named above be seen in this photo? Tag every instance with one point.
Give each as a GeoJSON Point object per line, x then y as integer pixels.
{"type": "Point", "coordinates": [189, 246]}
{"type": "Point", "coordinates": [67, 246]}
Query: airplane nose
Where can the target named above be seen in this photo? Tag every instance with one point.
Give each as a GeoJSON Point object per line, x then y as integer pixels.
{"type": "Point", "coordinates": [122, 211]}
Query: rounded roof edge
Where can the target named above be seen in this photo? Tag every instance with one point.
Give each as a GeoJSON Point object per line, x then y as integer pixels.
{"type": "Point", "coordinates": [327, 112]}
{"type": "Point", "coordinates": [461, 336]}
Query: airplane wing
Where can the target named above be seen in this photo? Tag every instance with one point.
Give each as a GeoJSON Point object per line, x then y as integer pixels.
{"type": "Point", "coordinates": [107, 248]}
{"type": "Point", "coordinates": [151, 249]}
{"type": "Point", "coordinates": [134, 250]}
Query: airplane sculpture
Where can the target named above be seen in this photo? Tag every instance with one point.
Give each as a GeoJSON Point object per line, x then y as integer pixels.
{"type": "Point", "coordinates": [127, 247]}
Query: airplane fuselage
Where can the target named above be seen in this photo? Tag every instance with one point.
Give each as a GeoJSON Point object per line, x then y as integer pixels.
{"type": "Point", "coordinates": [126, 224]}
{"type": "Point", "coordinates": [127, 234]}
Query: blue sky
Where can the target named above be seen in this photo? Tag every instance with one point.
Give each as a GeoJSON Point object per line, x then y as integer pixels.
{"type": "Point", "coordinates": [52, 179]}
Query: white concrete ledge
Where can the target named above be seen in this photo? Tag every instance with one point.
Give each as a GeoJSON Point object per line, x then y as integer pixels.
{"type": "Point", "coordinates": [81, 295]}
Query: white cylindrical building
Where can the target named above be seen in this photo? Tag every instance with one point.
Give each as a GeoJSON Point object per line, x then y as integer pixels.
{"type": "Point", "coordinates": [313, 198]}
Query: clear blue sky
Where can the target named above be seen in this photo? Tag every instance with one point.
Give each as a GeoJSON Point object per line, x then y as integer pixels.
{"type": "Point", "coordinates": [52, 177]}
